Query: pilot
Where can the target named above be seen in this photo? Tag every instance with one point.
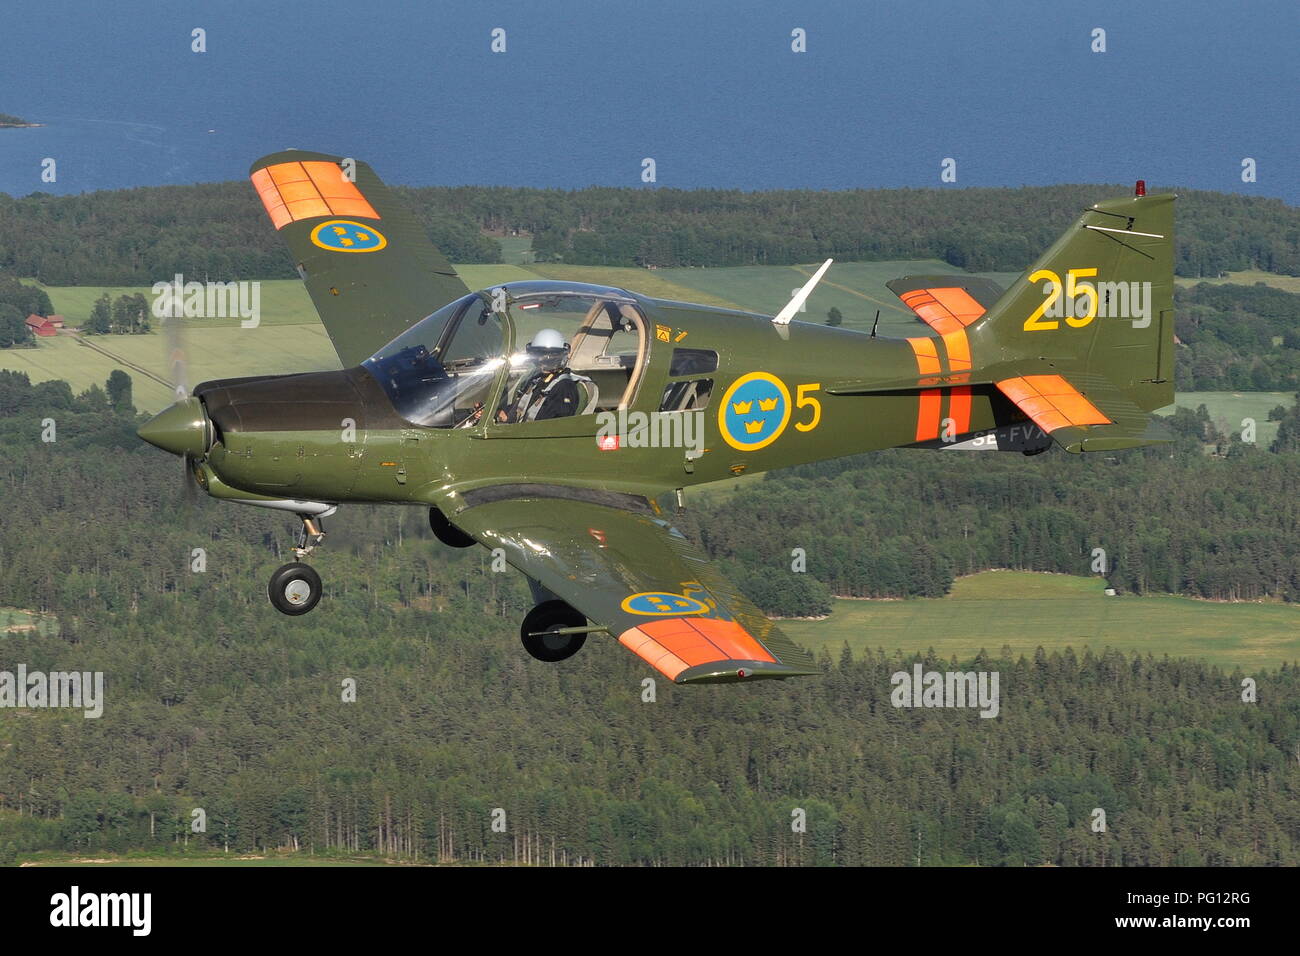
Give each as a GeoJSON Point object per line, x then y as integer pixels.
{"type": "Point", "coordinates": [551, 390]}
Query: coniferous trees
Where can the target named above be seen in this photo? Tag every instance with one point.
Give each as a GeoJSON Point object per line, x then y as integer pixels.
{"type": "Point", "coordinates": [216, 703]}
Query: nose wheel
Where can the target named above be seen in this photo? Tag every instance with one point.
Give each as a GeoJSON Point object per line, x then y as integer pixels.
{"type": "Point", "coordinates": [294, 589]}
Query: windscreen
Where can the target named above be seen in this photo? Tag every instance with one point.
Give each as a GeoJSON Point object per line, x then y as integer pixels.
{"type": "Point", "coordinates": [440, 372]}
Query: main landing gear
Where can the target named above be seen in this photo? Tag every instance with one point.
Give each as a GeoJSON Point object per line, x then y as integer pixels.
{"type": "Point", "coordinates": [554, 631]}
{"type": "Point", "coordinates": [295, 588]}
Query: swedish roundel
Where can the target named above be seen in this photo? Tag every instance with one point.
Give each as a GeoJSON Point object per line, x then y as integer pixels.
{"type": "Point", "coordinates": [344, 235]}
{"type": "Point", "coordinates": [754, 411]}
{"type": "Point", "coordinates": [665, 603]}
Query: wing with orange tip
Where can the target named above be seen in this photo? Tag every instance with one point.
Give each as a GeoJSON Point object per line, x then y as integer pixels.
{"type": "Point", "coordinates": [620, 563]}
{"type": "Point", "coordinates": [367, 263]}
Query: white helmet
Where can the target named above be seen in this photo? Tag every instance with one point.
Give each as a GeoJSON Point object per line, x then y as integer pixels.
{"type": "Point", "coordinates": [547, 339]}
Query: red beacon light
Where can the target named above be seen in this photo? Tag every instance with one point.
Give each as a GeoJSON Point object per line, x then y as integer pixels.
{"type": "Point", "coordinates": [1140, 189]}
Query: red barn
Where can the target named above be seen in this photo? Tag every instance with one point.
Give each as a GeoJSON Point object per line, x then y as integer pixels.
{"type": "Point", "coordinates": [41, 325]}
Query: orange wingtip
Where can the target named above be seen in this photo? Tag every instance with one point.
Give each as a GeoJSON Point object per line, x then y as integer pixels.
{"type": "Point", "coordinates": [1051, 402]}
{"type": "Point", "coordinates": [673, 645]}
{"type": "Point", "coordinates": [308, 190]}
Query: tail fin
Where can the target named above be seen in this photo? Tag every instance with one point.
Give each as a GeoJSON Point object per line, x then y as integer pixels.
{"type": "Point", "coordinates": [1084, 341]}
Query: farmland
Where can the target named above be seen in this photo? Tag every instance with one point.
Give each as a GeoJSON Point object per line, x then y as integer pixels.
{"type": "Point", "coordinates": [1025, 610]}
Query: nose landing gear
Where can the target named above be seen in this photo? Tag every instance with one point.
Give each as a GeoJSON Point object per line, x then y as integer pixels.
{"type": "Point", "coordinates": [295, 588]}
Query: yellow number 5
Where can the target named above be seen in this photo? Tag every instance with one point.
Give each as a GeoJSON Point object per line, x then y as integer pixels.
{"type": "Point", "coordinates": [1073, 289]}
{"type": "Point", "coordinates": [801, 399]}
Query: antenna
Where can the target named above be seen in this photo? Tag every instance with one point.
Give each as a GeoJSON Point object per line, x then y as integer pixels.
{"type": "Point", "coordinates": [785, 315]}
{"type": "Point", "coordinates": [875, 323]}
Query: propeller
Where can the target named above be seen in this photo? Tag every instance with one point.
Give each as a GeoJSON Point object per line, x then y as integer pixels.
{"type": "Point", "coordinates": [178, 366]}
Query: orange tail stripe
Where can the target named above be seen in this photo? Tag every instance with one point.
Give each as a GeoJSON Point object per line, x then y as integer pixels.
{"type": "Point", "coordinates": [958, 350]}
{"type": "Point", "coordinates": [927, 415]}
{"type": "Point", "coordinates": [959, 409]}
{"type": "Point", "coordinates": [927, 356]}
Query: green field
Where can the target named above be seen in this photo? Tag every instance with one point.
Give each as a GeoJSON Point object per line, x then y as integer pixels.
{"type": "Point", "coordinates": [213, 353]}
{"type": "Point", "coordinates": [16, 622]}
{"type": "Point", "coordinates": [281, 301]}
{"type": "Point", "coordinates": [1227, 409]}
{"type": "Point", "coordinates": [516, 250]}
{"type": "Point", "coordinates": [1024, 610]}
{"type": "Point", "coordinates": [1249, 277]}
{"type": "Point", "coordinates": [649, 282]}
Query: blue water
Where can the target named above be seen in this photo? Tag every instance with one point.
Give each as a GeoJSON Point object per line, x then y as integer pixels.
{"type": "Point", "coordinates": [709, 90]}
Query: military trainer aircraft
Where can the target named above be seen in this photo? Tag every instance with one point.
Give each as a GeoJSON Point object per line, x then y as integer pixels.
{"type": "Point", "coordinates": [560, 422]}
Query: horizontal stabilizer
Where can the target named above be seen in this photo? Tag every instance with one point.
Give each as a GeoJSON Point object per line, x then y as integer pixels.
{"type": "Point", "coordinates": [1083, 412]}
{"type": "Point", "coordinates": [946, 303]}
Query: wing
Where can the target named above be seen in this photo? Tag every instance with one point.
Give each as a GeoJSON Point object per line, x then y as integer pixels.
{"type": "Point", "coordinates": [946, 303]}
{"type": "Point", "coordinates": [633, 573]}
{"type": "Point", "coordinates": [367, 263]}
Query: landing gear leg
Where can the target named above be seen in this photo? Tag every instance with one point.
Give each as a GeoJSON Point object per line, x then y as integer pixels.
{"type": "Point", "coordinates": [295, 588]}
{"type": "Point", "coordinates": [311, 534]}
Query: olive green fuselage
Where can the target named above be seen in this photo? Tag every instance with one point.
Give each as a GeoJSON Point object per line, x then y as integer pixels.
{"type": "Point", "coordinates": [334, 437]}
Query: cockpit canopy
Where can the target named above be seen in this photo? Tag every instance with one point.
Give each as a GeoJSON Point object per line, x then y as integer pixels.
{"type": "Point", "coordinates": [444, 371]}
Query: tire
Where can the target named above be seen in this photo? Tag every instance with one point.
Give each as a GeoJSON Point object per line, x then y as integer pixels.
{"type": "Point", "coordinates": [287, 591]}
{"type": "Point", "coordinates": [448, 533]}
{"type": "Point", "coordinates": [552, 647]}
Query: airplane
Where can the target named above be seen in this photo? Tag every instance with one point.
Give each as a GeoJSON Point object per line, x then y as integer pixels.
{"type": "Point", "coordinates": [560, 422]}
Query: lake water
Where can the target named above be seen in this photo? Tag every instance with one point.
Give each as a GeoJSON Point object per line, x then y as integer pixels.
{"type": "Point", "coordinates": [710, 90]}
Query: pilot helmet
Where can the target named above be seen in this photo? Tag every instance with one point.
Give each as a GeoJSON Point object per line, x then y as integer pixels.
{"type": "Point", "coordinates": [549, 348]}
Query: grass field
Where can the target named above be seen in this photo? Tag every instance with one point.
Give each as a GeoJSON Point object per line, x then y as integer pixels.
{"type": "Point", "coordinates": [282, 302]}
{"type": "Point", "coordinates": [1249, 277]}
{"type": "Point", "coordinates": [1024, 610]}
{"type": "Point", "coordinates": [16, 622]}
{"type": "Point", "coordinates": [1227, 409]}
{"type": "Point", "coordinates": [213, 353]}
{"type": "Point", "coordinates": [516, 250]}
{"type": "Point", "coordinates": [655, 284]}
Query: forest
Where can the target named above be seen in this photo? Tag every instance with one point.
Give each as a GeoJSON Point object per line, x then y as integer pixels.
{"type": "Point", "coordinates": [218, 231]}
{"type": "Point", "coordinates": [217, 703]}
